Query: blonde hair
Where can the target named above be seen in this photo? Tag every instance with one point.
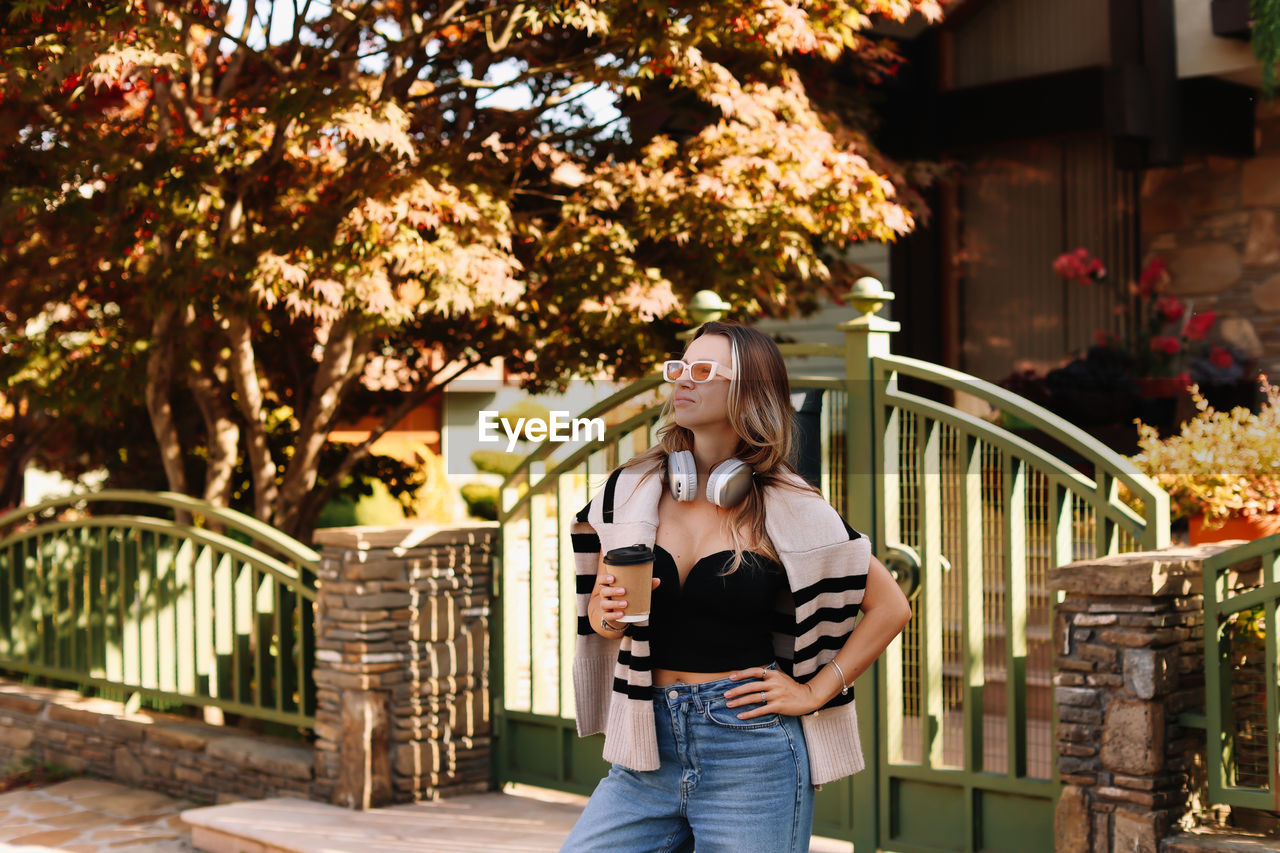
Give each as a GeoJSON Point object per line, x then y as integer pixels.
{"type": "Point", "coordinates": [761, 415]}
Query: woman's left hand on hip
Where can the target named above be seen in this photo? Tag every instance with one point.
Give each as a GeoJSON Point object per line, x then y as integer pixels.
{"type": "Point", "coordinates": [770, 691]}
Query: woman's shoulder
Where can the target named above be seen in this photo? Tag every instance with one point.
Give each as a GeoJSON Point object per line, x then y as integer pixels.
{"type": "Point", "coordinates": [803, 516]}
{"type": "Point", "coordinates": [791, 487]}
{"type": "Point", "coordinates": [620, 488]}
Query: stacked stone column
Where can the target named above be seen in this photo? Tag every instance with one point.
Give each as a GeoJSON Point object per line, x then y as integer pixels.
{"type": "Point", "coordinates": [402, 663]}
{"type": "Point", "coordinates": [1130, 660]}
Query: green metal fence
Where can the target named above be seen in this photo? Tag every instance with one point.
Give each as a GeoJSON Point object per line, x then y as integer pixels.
{"type": "Point", "coordinates": [212, 609]}
{"type": "Point", "coordinates": [533, 639]}
{"type": "Point", "coordinates": [973, 515]}
{"type": "Point", "coordinates": [1242, 682]}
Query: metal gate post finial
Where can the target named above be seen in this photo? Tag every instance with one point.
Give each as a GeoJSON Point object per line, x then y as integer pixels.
{"type": "Point", "coordinates": [868, 295]}
{"type": "Point", "coordinates": [705, 307]}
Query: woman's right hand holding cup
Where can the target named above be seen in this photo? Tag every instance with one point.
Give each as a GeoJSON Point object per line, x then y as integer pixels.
{"type": "Point", "coordinates": [612, 603]}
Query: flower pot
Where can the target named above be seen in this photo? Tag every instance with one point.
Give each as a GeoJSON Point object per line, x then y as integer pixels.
{"type": "Point", "coordinates": [1235, 527]}
{"type": "Point", "coordinates": [1161, 386]}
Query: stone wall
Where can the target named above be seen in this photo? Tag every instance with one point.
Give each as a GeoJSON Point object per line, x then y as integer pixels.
{"type": "Point", "coordinates": [402, 663]}
{"type": "Point", "coordinates": [179, 756]}
{"type": "Point", "coordinates": [1216, 222]}
{"type": "Point", "coordinates": [1129, 660]}
{"type": "Point", "coordinates": [402, 689]}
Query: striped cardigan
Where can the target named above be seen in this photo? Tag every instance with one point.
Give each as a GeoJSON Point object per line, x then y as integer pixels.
{"type": "Point", "coordinates": [826, 563]}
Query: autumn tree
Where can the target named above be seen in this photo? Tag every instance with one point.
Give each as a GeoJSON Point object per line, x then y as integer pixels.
{"type": "Point", "coordinates": [229, 228]}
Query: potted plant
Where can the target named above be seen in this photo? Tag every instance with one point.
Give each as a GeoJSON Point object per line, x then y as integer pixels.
{"type": "Point", "coordinates": [1167, 345]}
{"type": "Point", "coordinates": [1161, 334]}
{"type": "Point", "coordinates": [1221, 470]}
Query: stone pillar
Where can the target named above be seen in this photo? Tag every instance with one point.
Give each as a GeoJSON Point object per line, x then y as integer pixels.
{"type": "Point", "coordinates": [402, 662]}
{"type": "Point", "coordinates": [1129, 659]}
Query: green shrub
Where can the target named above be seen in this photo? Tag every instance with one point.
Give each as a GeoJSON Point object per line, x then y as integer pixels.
{"type": "Point", "coordinates": [1221, 464]}
{"type": "Point", "coordinates": [376, 509]}
{"type": "Point", "coordinates": [496, 462]}
{"type": "Point", "coordinates": [481, 500]}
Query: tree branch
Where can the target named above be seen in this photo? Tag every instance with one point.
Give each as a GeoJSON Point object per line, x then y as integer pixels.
{"type": "Point", "coordinates": [410, 402]}
{"type": "Point", "coordinates": [237, 60]}
{"type": "Point", "coordinates": [507, 31]}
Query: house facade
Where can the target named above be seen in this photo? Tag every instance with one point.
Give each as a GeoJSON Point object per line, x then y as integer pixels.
{"type": "Point", "coordinates": [1127, 127]}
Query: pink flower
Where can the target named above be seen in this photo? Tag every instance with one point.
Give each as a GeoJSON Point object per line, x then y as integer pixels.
{"type": "Point", "coordinates": [1066, 266]}
{"type": "Point", "coordinates": [1199, 324]}
{"type": "Point", "coordinates": [1165, 344]}
{"type": "Point", "coordinates": [1221, 357]}
{"type": "Point", "coordinates": [1170, 308]}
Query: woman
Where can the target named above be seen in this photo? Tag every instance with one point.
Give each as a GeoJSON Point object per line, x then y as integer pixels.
{"type": "Point", "coordinates": [734, 700]}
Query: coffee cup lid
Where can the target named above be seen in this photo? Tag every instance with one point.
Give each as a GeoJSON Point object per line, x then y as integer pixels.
{"type": "Point", "coordinates": [629, 556]}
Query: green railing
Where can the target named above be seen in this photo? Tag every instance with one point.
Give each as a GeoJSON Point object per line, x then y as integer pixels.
{"type": "Point", "coordinates": [973, 516]}
{"type": "Point", "coordinates": [1117, 527]}
{"type": "Point", "coordinates": [534, 635]}
{"type": "Point", "coordinates": [1242, 690]}
{"type": "Point", "coordinates": [213, 609]}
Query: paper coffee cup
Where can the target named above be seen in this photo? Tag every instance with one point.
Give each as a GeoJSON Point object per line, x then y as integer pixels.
{"type": "Point", "coordinates": [632, 569]}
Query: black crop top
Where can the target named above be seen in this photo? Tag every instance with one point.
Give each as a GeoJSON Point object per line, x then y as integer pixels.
{"type": "Point", "coordinates": [716, 622]}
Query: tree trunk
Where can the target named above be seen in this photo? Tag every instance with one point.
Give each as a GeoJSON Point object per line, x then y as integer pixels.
{"type": "Point", "coordinates": [13, 461]}
{"type": "Point", "coordinates": [244, 373]}
{"type": "Point", "coordinates": [344, 358]}
{"type": "Point", "coordinates": [223, 436]}
{"type": "Point", "coordinates": [159, 407]}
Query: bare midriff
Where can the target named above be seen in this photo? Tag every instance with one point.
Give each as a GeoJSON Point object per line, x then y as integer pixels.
{"type": "Point", "coordinates": [663, 677]}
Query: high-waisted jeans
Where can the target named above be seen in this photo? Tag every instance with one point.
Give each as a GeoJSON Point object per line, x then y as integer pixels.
{"type": "Point", "coordinates": [725, 785]}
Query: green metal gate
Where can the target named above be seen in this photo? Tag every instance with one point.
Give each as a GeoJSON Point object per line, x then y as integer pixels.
{"type": "Point", "coordinates": [1241, 718]}
{"type": "Point", "coordinates": [968, 515]}
{"type": "Point", "coordinates": [209, 607]}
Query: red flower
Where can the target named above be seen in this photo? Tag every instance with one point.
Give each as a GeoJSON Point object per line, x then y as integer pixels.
{"type": "Point", "coordinates": [1170, 308]}
{"type": "Point", "coordinates": [1199, 325]}
{"type": "Point", "coordinates": [1152, 274]}
{"type": "Point", "coordinates": [1102, 337]}
{"type": "Point", "coordinates": [1165, 344]}
{"type": "Point", "coordinates": [1079, 266]}
{"type": "Point", "coordinates": [1221, 357]}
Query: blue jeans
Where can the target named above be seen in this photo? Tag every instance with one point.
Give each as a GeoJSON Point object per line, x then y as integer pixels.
{"type": "Point", "coordinates": [724, 784]}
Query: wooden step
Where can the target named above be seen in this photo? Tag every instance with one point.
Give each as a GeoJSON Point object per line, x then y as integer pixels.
{"type": "Point", "coordinates": [479, 822]}
{"type": "Point", "coordinates": [525, 819]}
{"type": "Point", "coordinates": [1218, 841]}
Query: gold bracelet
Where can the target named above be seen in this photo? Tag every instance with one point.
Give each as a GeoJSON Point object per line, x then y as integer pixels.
{"type": "Point", "coordinates": [844, 688]}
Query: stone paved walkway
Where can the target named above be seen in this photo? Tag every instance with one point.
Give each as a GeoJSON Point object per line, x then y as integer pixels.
{"type": "Point", "coordinates": [96, 816]}
{"type": "Point", "coordinates": [92, 816]}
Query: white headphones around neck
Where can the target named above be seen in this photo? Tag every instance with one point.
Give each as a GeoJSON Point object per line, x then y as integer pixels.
{"type": "Point", "coordinates": [727, 484]}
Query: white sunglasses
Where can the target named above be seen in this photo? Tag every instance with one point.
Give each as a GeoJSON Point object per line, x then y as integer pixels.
{"type": "Point", "coordinates": [698, 371]}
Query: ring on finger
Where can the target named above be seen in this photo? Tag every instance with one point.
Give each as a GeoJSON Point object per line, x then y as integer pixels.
{"type": "Point", "coordinates": [763, 699]}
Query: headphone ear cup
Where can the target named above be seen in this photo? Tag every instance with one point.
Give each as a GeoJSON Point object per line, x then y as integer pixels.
{"type": "Point", "coordinates": [729, 482]}
{"type": "Point", "coordinates": [682, 475]}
